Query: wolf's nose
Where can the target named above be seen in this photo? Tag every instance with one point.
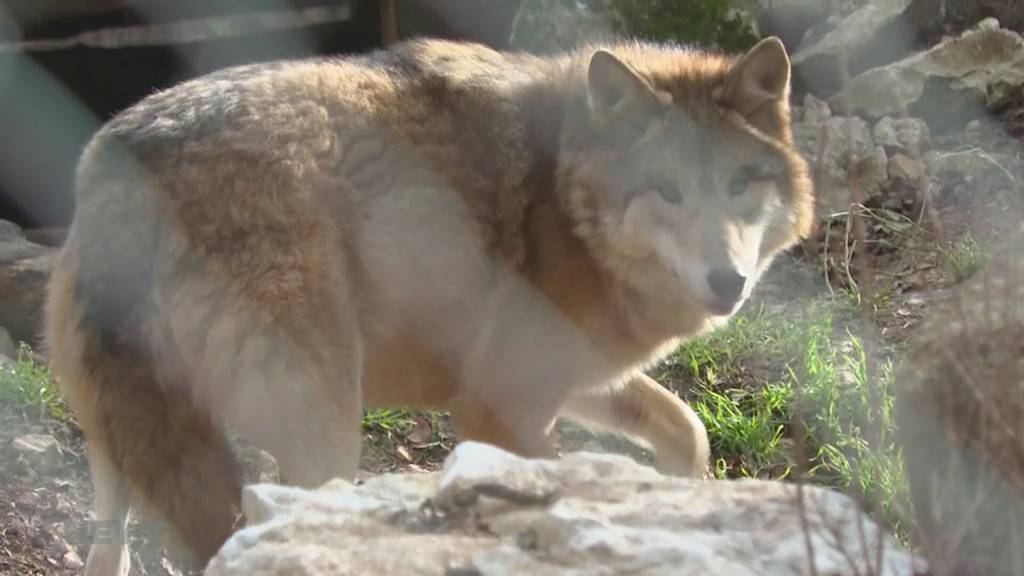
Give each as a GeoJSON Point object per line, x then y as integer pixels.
{"type": "Point", "coordinates": [726, 284]}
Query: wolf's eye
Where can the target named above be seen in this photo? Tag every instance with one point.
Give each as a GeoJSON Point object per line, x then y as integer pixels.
{"type": "Point", "coordinates": [669, 193]}
{"type": "Point", "coordinates": [737, 186]}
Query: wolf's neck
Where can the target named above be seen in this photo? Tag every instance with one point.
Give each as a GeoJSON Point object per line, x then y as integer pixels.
{"type": "Point", "coordinates": [561, 267]}
{"type": "Point", "coordinates": [558, 262]}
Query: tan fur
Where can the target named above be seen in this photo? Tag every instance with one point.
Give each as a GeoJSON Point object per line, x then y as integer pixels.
{"type": "Point", "coordinates": [440, 226]}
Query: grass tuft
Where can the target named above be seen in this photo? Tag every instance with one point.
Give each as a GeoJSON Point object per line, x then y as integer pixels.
{"type": "Point", "coordinates": [965, 258]}
{"type": "Point", "coordinates": [752, 379]}
{"type": "Point", "coordinates": [387, 420]}
{"type": "Point", "coordinates": [28, 386]}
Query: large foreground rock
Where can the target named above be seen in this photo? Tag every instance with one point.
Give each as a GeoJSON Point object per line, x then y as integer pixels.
{"type": "Point", "coordinates": [960, 406]}
{"type": "Point", "coordinates": [24, 270]}
{"type": "Point", "coordinates": [948, 84]}
{"type": "Point", "coordinates": [489, 513]}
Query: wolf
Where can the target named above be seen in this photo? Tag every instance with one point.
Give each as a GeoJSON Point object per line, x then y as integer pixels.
{"type": "Point", "coordinates": [510, 238]}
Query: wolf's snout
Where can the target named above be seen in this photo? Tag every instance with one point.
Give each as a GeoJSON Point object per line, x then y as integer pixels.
{"type": "Point", "coordinates": [726, 284]}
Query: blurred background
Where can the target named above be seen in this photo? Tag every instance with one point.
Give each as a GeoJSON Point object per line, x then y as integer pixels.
{"type": "Point", "coordinates": [65, 65]}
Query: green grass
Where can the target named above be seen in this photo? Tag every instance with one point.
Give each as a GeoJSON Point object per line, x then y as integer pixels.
{"type": "Point", "coordinates": [764, 378]}
{"type": "Point", "coordinates": [29, 387]}
{"type": "Point", "coordinates": [387, 420]}
{"type": "Point", "coordinates": [965, 257]}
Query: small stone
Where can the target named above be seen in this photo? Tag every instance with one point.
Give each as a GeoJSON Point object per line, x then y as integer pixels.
{"type": "Point", "coordinates": [906, 169]}
{"type": "Point", "coordinates": [973, 130]}
{"type": "Point", "coordinates": [816, 111]}
{"type": "Point", "coordinates": [837, 151]}
{"type": "Point", "coordinates": [904, 134]}
{"type": "Point", "coordinates": [40, 451]}
{"type": "Point", "coordinates": [268, 469]}
{"type": "Point", "coordinates": [989, 23]}
{"type": "Point", "coordinates": [873, 172]}
{"type": "Point", "coordinates": [835, 192]}
{"type": "Point", "coordinates": [71, 561]}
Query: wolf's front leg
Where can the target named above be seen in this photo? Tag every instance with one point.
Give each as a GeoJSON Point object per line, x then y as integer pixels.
{"type": "Point", "coordinates": [524, 430]}
{"type": "Point", "coordinates": [525, 361]}
{"type": "Point", "coordinates": [644, 408]}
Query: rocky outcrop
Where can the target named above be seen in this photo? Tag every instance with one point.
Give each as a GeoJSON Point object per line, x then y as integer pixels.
{"type": "Point", "coordinates": [24, 270]}
{"type": "Point", "coordinates": [865, 34]}
{"type": "Point", "coordinates": [489, 513]}
{"type": "Point", "coordinates": [947, 85]}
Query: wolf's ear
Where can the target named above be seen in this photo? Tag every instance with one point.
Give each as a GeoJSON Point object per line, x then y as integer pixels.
{"type": "Point", "coordinates": [617, 92]}
{"type": "Point", "coordinates": [758, 77]}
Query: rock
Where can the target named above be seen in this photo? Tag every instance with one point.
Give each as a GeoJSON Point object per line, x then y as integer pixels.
{"type": "Point", "coordinates": [747, 17]}
{"type": "Point", "coordinates": [490, 513]}
{"type": "Point", "coordinates": [41, 452]}
{"type": "Point", "coordinates": [72, 561]}
{"type": "Point", "coordinates": [267, 468]}
{"type": "Point", "coordinates": [902, 134]}
{"type": "Point", "coordinates": [873, 173]}
{"type": "Point", "coordinates": [862, 32]}
{"type": "Point", "coordinates": [790, 20]}
{"type": "Point", "coordinates": [974, 166]}
{"type": "Point", "coordinates": [834, 194]}
{"type": "Point", "coordinates": [931, 20]}
{"type": "Point", "coordinates": [988, 24]}
{"type": "Point", "coordinates": [9, 231]}
{"type": "Point", "coordinates": [948, 84]}
{"type": "Point", "coordinates": [974, 130]}
{"type": "Point", "coordinates": [7, 347]}
{"type": "Point", "coordinates": [906, 169]}
{"type": "Point", "coordinates": [959, 405]}
{"type": "Point", "coordinates": [24, 270]}
{"type": "Point", "coordinates": [815, 111]}
{"type": "Point", "coordinates": [808, 136]}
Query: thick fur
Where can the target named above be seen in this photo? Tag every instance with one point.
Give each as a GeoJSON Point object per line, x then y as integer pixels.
{"type": "Point", "coordinates": [440, 225]}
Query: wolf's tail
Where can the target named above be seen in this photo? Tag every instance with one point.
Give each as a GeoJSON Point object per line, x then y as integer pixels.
{"type": "Point", "coordinates": [145, 434]}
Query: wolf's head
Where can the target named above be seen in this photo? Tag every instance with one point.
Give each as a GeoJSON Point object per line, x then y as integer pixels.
{"type": "Point", "coordinates": [679, 169]}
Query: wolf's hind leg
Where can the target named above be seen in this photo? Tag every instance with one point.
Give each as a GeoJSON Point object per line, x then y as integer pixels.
{"type": "Point", "coordinates": [645, 409]}
{"type": "Point", "coordinates": [172, 454]}
{"type": "Point", "coordinates": [108, 555]}
{"type": "Point", "coordinates": [296, 389]}
{"type": "Point", "coordinates": [300, 418]}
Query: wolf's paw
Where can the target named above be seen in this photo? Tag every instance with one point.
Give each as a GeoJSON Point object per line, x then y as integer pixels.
{"type": "Point", "coordinates": [686, 466]}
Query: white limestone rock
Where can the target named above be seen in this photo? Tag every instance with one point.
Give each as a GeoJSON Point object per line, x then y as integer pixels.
{"type": "Point", "coordinates": [490, 513]}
